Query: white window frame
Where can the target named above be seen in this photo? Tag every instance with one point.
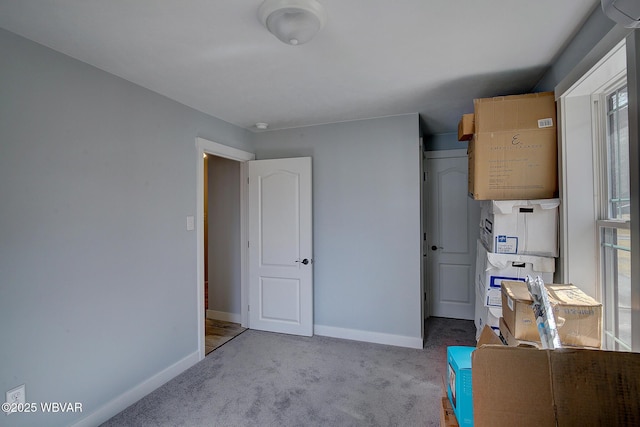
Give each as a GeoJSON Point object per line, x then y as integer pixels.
{"type": "Point", "coordinates": [580, 171]}
{"type": "Point", "coordinates": [600, 143]}
{"type": "Point", "coordinates": [580, 208]}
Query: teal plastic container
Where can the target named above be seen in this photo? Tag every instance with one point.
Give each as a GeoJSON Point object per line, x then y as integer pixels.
{"type": "Point", "coordinates": [459, 386]}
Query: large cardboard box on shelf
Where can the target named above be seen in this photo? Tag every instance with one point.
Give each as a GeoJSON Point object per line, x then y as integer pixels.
{"type": "Point", "coordinates": [492, 269]}
{"type": "Point", "coordinates": [528, 227]}
{"type": "Point", "coordinates": [578, 316]}
{"type": "Point", "coordinates": [513, 153]}
{"type": "Point", "coordinates": [516, 386]}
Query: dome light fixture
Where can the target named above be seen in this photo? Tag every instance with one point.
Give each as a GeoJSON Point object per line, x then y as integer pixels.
{"type": "Point", "coordinates": [262, 126]}
{"type": "Point", "coordinates": [294, 22]}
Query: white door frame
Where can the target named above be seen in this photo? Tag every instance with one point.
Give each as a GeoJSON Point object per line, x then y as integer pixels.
{"type": "Point", "coordinates": [424, 313]}
{"type": "Point", "coordinates": [213, 148]}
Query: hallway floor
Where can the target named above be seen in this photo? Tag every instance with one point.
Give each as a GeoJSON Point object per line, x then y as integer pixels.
{"type": "Point", "coordinates": [218, 332]}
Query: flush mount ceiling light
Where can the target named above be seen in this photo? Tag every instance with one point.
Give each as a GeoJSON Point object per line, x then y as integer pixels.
{"type": "Point", "coordinates": [292, 21]}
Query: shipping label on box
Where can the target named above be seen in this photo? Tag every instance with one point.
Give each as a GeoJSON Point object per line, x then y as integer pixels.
{"type": "Point", "coordinates": [504, 244]}
{"type": "Point", "coordinates": [528, 227]}
{"type": "Point", "coordinates": [578, 316]}
{"type": "Point", "coordinates": [492, 269]}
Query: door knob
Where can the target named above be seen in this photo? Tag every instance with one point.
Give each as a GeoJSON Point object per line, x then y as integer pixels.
{"type": "Point", "coordinates": [304, 261]}
{"type": "Point", "coordinates": [435, 248]}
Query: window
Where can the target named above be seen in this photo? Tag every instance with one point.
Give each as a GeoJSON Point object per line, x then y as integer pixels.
{"type": "Point", "coordinates": [614, 222]}
{"type": "Point", "coordinates": [596, 193]}
{"type": "Point", "coordinates": [618, 155]}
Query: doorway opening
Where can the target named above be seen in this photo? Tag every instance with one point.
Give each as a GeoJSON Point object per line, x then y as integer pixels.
{"type": "Point", "coordinates": [225, 302]}
{"type": "Point", "coordinates": [222, 251]}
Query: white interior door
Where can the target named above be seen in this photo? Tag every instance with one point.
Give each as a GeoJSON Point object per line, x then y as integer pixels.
{"type": "Point", "coordinates": [280, 246]}
{"type": "Point", "coordinates": [453, 227]}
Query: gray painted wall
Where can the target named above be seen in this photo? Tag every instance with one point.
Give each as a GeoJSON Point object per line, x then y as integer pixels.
{"type": "Point", "coordinates": [224, 235]}
{"type": "Point", "coordinates": [97, 270]}
{"type": "Point", "coordinates": [366, 220]}
{"type": "Point", "coordinates": [594, 29]}
{"type": "Point", "coordinates": [444, 141]}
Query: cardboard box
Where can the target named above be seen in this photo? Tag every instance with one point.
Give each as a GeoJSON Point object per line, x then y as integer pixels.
{"type": "Point", "coordinates": [513, 153]}
{"type": "Point", "coordinates": [459, 383]}
{"type": "Point", "coordinates": [492, 269]}
{"type": "Point", "coordinates": [528, 227]}
{"type": "Point", "coordinates": [447, 416]}
{"type": "Point", "coordinates": [578, 316]}
{"type": "Point", "coordinates": [515, 386]}
{"type": "Point", "coordinates": [509, 339]}
{"type": "Point", "coordinates": [465, 127]}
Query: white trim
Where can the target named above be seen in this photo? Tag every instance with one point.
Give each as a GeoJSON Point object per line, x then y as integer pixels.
{"type": "Point", "coordinates": [136, 393]}
{"type": "Point", "coordinates": [445, 154]}
{"type": "Point", "coordinates": [224, 316]}
{"type": "Point", "coordinates": [213, 148]}
{"type": "Point", "coordinates": [225, 151]}
{"type": "Point", "coordinates": [602, 48]}
{"type": "Point", "coordinates": [423, 226]}
{"type": "Point", "coordinates": [244, 251]}
{"type": "Point", "coordinates": [633, 85]}
{"type": "Point", "coordinates": [580, 189]}
{"type": "Point", "coordinates": [604, 74]}
{"type": "Point", "coordinates": [368, 336]}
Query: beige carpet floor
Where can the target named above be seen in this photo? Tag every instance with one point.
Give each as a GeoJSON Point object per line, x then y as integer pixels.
{"type": "Point", "coordinates": [265, 379]}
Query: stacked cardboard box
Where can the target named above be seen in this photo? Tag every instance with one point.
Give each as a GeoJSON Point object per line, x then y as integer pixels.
{"type": "Point", "coordinates": [512, 148]}
{"type": "Point", "coordinates": [491, 270]}
{"type": "Point", "coordinates": [515, 386]}
{"type": "Point", "coordinates": [578, 316]}
{"type": "Point", "coordinates": [513, 172]}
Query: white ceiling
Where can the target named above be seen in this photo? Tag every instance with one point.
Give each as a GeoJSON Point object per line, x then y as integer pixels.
{"type": "Point", "coordinates": [373, 58]}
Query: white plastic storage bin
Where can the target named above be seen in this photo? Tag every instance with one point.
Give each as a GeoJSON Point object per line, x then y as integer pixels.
{"type": "Point", "coordinates": [526, 227]}
{"type": "Point", "coordinates": [492, 269]}
{"type": "Point", "coordinates": [484, 315]}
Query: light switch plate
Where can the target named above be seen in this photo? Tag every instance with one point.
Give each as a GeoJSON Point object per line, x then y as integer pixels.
{"type": "Point", "coordinates": [190, 223]}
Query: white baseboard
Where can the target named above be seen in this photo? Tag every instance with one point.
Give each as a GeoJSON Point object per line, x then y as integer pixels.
{"type": "Point", "coordinates": [131, 396]}
{"type": "Point", "coordinates": [367, 336]}
{"type": "Point", "coordinates": [224, 316]}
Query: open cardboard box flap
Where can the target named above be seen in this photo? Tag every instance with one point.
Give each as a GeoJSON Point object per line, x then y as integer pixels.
{"type": "Point", "coordinates": [531, 387]}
